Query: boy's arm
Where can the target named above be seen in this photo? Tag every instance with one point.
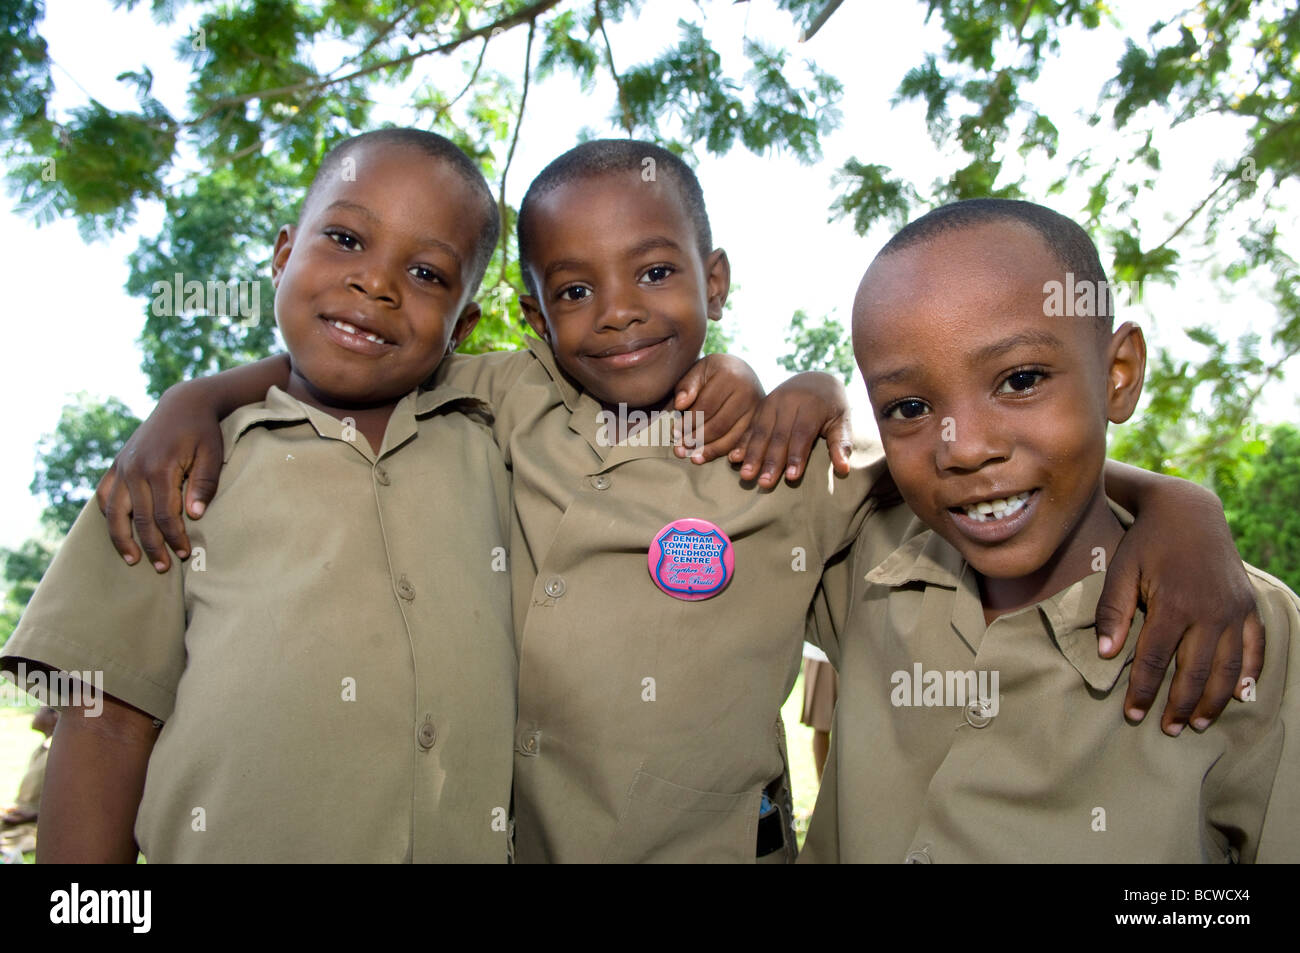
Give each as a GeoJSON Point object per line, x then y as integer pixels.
{"type": "Point", "coordinates": [766, 435]}
{"type": "Point", "coordinates": [1179, 558]}
{"type": "Point", "coordinates": [93, 783]}
{"type": "Point", "coordinates": [788, 422]}
{"type": "Point", "coordinates": [179, 441]}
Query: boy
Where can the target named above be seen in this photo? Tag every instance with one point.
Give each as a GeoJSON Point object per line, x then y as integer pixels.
{"type": "Point", "coordinates": [975, 723]}
{"type": "Point", "coordinates": [318, 697]}
{"type": "Point", "coordinates": [649, 726]}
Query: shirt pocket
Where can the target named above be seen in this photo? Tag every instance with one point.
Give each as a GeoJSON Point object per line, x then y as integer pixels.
{"type": "Point", "coordinates": [666, 823]}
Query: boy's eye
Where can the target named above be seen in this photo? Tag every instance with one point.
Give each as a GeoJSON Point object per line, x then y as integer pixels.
{"type": "Point", "coordinates": [573, 293]}
{"type": "Point", "coordinates": [344, 239]}
{"type": "Point", "coordinates": [908, 409]}
{"type": "Point", "coordinates": [657, 273]}
{"type": "Point", "coordinates": [424, 273]}
{"type": "Point", "coordinates": [1020, 381]}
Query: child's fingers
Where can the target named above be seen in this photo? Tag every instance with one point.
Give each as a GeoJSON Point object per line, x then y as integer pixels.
{"type": "Point", "coordinates": [1155, 650]}
{"type": "Point", "coordinates": [721, 446]}
{"type": "Point", "coordinates": [146, 530]}
{"type": "Point", "coordinates": [737, 453]}
{"type": "Point", "coordinates": [777, 452]}
{"type": "Point", "coordinates": [688, 388]}
{"type": "Point", "coordinates": [204, 477]}
{"type": "Point", "coordinates": [803, 433]}
{"type": "Point", "coordinates": [115, 503]}
{"type": "Point", "coordinates": [1118, 604]}
{"type": "Point", "coordinates": [1195, 663]}
{"type": "Point", "coordinates": [1252, 655]}
{"type": "Point", "coordinates": [760, 432]}
{"type": "Point", "coordinates": [839, 441]}
{"type": "Point", "coordinates": [1225, 675]}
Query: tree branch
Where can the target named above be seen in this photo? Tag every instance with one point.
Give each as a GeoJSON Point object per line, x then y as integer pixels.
{"type": "Point", "coordinates": [819, 21]}
{"type": "Point", "coordinates": [510, 156]}
{"type": "Point", "coordinates": [472, 77]}
{"type": "Point", "coordinates": [624, 108]}
{"type": "Point", "coordinates": [526, 15]}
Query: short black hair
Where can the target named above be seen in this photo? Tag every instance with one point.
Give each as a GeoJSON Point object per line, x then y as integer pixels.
{"type": "Point", "coordinates": [1072, 247]}
{"type": "Point", "coordinates": [442, 149]}
{"type": "Point", "coordinates": [603, 157]}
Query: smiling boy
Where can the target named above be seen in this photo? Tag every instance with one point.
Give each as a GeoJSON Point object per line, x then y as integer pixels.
{"type": "Point", "coordinates": [975, 723]}
{"type": "Point", "coordinates": [317, 699]}
{"type": "Point", "coordinates": [649, 718]}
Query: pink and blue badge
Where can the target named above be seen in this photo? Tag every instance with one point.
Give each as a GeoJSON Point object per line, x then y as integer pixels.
{"type": "Point", "coordinates": [691, 559]}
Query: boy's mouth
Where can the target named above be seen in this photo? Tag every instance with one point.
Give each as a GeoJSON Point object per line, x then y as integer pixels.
{"type": "Point", "coordinates": [630, 353]}
{"type": "Point", "coordinates": [989, 511]}
{"type": "Point", "coordinates": [996, 519]}
{"type": "Point", "coordinates": [355, 338]}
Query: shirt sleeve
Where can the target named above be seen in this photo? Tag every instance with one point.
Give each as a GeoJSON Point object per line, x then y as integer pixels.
{"type": "Point", "coordinates": [1252, 794]}
{"type": "Point", "coordinates": [121, 627]}
{"type": "Point", "coordinates": [1279, 839]}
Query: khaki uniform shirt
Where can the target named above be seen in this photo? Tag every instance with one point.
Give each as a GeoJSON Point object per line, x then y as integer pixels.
{"type": "Point", "coordinates": [648, 726]}
{"type": "Point", "coordinates": [931, 765]}
{"type": "Point", "coordinates": [334, 663]}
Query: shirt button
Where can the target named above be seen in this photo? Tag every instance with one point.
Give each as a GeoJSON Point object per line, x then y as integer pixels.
{"type": "Point", "coordinates": [979, 714]}
{"type": "Point", "coordinates": [427, 734]}
{"type": "Point", "coordinates": [601, 482]}
{"type": "Point", "coordinates": [555, 587]}
{"type": "Point", "coordinates": [382, 476]}
{"type": "Point", "coordinates": [530, 742]}
{"type": "Point", "coordinates": [921, 856]}
{"type": "Point", "coordinates": [405, 589]}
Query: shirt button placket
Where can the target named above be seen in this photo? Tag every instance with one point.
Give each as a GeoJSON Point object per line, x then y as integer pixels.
{"type": "Point", "coordinates": [554, 587]}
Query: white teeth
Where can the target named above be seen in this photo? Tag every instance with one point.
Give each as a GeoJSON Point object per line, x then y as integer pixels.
{"type": "Point", "coordinates": [991, 510]}
{"type": "Point", "coordinates": [344, 326]}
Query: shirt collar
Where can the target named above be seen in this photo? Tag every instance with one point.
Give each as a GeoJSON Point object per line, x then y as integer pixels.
{"type": "Point", "coordinates": [587, 418]}
{"type": "Point", "coordinates": [1070, 616]}
{"type": "Point", "coordinates": [280, 408]}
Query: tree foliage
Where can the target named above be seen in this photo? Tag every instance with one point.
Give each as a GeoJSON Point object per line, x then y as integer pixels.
{"type": "Point", "coordinates": [822, 347]}
{"type": "Point", "coordinates": [71, 460]}
{"type": "Point", "coordinates": [274, 83]}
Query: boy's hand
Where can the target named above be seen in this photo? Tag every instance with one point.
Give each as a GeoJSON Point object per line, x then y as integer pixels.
{"type": "Point", "coordinates": [1200, 607]}
{"type": "Point", "coordinates": [180, 439]}
{"type": "Point", "coordinates": [723, 391]}
{"type": "Point", "coordinates": [788, 423]}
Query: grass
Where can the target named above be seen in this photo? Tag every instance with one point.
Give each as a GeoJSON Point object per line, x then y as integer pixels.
{"type": "Point", "coordinates": [17, 742]}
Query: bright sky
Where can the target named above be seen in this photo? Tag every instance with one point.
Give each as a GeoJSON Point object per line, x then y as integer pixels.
{"type": "Point", "coordinates": [72, 328]}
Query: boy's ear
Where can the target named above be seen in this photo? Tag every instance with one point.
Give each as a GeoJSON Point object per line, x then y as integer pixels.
{"type": "Point", "coordinates": [1126, 362]}
{"type": "Point", "coordinates": [280, 255]}
{"type": "Point", "coordinates": [718, 270]}
{"type": "Point", "coordinates": [533, 315]}
{"type": "Point", "coordinates": [465, 325]}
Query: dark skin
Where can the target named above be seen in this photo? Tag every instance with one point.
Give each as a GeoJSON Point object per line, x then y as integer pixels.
{"type": "Point", "coordinates": [653, 283]}
{"type": "Point", "coordinates": [624, 297]}
{"type": "Point", "coordinates": [94, 780]}
{"type": "Point", "coordinates": [981, 397]}
{"type": "Point", "coordinates": [372, 291]}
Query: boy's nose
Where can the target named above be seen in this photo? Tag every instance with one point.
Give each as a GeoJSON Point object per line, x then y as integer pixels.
{"type": "Point", "coordinates": [970, 442]}
{"type": "Point", "coordinates": [622, 310]}
{"type": "Point", "coordinates": [374, 281]}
